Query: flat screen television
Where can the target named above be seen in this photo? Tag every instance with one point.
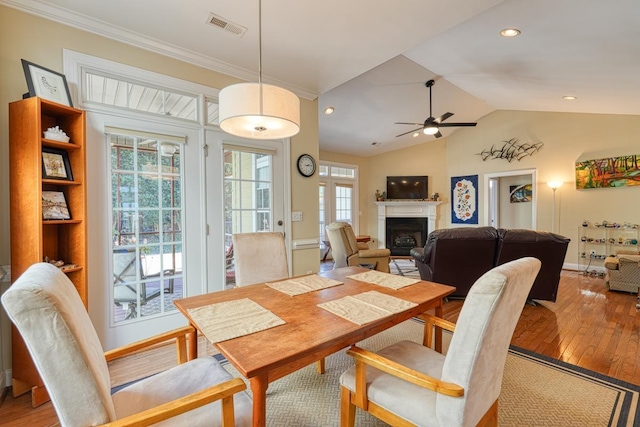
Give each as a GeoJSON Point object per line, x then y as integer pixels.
{"type": "Point", "coordinates": [407, 187]}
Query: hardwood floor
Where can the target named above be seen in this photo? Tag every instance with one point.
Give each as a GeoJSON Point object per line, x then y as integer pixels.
{"type": "Point", "coordinates": [588, 326]}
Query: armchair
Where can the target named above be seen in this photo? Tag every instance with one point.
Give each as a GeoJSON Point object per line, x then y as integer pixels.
{"type": "Point", "coordinates": [348, 252]}
{"type": "Point", "coordinates": [623, 272]}
{"type": "Point", "coordinates": [414, 385]}
{"type": "Point", "coordinates": [45, 308]}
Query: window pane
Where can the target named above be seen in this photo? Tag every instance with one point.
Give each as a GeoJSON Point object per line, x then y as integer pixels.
{"type": "Point", "coordinates": [146, 230]}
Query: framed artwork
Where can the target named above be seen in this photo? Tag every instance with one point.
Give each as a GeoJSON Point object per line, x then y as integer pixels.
{"type": "Point", "coordinates": [54, 205]}
{"type": "Point", "coordinates": [46, 84]}
{"type": "Point", "coordinates": [520, 193]}
{"type": "Point", "coordinates": [619, 171]}
{"type": "Point", "coordinates": [464, 199]}
{"type": "Point", "coordinates": [55, 164]}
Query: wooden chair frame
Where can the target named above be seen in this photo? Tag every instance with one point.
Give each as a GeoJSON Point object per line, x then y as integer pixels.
{"type": "Point", "coordinates": [223, 391]}
{"type": "Point", "coordinates": [350, 400]}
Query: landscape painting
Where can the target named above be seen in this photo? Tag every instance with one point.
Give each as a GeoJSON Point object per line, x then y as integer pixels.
{"type": "Point", "coordinates": [608, 172]}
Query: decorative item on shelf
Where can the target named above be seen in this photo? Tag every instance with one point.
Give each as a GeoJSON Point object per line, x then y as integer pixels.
{"type": "Point", "coordinates": [381, 196]}
{"type": "Point", "coordinates": [57, 263]}
{"type": "Point", "coordinates": [56, 165]}
{"type": "Point", "coordinates": [54, 205]}
{"type": "Point", "coordinates": [56, 134]}
{"type": "Point", "coordinates": [45, 83]}
{"type": "Point", "coordinates": [585, 223]}
{"type": "Point", "coordinates": [435, 197]}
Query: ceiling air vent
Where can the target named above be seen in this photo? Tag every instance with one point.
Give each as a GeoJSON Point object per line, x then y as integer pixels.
{"type": "Point", "coordinates": [220, 22]}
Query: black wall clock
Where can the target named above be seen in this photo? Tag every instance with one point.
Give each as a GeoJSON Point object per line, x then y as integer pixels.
{"type": "Point", "coordinates": [306, 165]}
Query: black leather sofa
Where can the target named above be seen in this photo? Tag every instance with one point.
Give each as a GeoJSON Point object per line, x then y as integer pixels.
{"type": "Point", "coordinates": [459, 256]}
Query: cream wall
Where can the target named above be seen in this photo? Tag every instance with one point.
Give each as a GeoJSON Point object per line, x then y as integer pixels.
{"type": "Point", "coordinates": [423, 159]}
{"type": "Point", "coordinates": [566, 137]}
{"type": "Point", "coordinates": [513, 215]}
{"type": "Point", "coordinates": [364, 198]}
{"type": "Point", "coordinates": [41, 41]}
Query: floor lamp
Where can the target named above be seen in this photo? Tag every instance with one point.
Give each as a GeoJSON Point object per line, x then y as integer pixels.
{"type": "Point", "coordinates": [554, 185]}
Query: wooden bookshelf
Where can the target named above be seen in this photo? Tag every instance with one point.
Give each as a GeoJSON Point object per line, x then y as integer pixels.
{"type": "Point", "coordinates": [32, 237]}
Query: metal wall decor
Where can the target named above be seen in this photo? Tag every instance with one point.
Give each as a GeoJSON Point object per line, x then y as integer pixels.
{"type": "Point", "coordinates": [511, 150]}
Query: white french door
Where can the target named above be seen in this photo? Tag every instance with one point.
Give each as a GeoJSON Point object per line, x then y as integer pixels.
{"type": "Point", "coordinates": [146, 241]}
{"type": "Point", "coordinates": [245, 187]}
{"type": "Point", "coordinates": [338, 198]}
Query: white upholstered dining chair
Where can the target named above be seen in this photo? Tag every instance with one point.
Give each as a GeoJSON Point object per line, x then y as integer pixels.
{"type": "Point", "coordinates": [259, 257]}
{"type": "Point", "coordinates": [49, 314]}
{"type": "Point", "coordinates": [262, 257]}
{"type": "Point", "coordinates": [408, 384]}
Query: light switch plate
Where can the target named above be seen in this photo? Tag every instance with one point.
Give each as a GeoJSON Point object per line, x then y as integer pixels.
{"type": "Point", "coordinates": [296, 216]}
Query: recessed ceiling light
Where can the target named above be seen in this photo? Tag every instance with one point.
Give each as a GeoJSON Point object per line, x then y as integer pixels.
{"type": "Point", "coordinates": [569, 97]}
{"type": "Point", "coordinates": [416, 134]}
{"type": "Point", "coordinates": [510, 32]}
{"type": "Point", "coordinates": [329, 110]}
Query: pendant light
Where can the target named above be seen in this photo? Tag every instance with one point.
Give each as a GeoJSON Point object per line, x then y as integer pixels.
{"type": "Point", "coordinates": [258, 110]}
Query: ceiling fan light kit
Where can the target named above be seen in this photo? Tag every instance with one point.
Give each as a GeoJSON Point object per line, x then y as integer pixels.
{"type": "Point", "coordinates": [432, 125]}
{"type": "Point", "coordinates": [258, 110]}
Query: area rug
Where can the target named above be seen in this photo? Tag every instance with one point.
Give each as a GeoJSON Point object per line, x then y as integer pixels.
{"type": "Point", "coordinates": [404, 267]}
{"type": "Point", "coordinates": [536, 391]}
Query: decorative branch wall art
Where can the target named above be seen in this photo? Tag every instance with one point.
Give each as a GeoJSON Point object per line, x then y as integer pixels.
{"type": "Point", "coordinates": [511, 150]}
{"type": "Point", "coordinates": [464, 199]}
{"type": "Point", "coordinates": [608, 172]}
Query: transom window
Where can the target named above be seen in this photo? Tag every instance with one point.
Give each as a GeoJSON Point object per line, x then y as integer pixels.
{"type": "Point", "coordinates": [116, 92]}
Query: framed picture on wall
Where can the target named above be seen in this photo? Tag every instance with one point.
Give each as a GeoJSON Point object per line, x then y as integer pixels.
{"type": "Point", "coordinates": [46, 83]}
{"type": "Point", "coordinates": [464, 199]}
{"type": "Point", "coordinates": [520, 193]}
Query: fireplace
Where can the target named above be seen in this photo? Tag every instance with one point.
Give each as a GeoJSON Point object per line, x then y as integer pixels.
{"type": "Point", "coordinates": [424, 211]}
{"type": "Point", "coordinates": [403, 234]}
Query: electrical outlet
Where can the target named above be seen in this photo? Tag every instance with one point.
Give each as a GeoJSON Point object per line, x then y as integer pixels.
{"type": "Point", "coordinates": [593, 252]}
{"type": "Point", "coordinates": [296, 216]}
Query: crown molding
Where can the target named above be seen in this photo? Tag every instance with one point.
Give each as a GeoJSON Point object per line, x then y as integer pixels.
{"type": "Point", "coordinates": [122, 35]}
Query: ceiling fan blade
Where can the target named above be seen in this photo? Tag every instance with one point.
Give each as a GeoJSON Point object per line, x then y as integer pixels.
{"type": "Point", "coordinates": [437, 135]}
{"type": "Point", "coordinates": [443, 117]}
{"type": "Point", "coordinates": [411, 131]}
{"type": "Point", "coordinates": [415, 124]}
{"type": "Point", "coordinates": [450, 125]}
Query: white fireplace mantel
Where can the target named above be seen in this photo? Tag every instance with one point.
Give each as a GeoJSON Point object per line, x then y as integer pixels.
{"type": "Point", "coordinates": [405, 209]}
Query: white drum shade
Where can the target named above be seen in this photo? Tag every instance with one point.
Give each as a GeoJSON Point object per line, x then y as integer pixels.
{"type": "Point", "coordinates": [244, 112]}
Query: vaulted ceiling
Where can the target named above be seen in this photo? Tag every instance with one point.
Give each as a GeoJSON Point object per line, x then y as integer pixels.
{"type": "Point", "coordinates": [370, 59]}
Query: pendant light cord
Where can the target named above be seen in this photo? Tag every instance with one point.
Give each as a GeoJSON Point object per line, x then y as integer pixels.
{"type": "Point", "coordinates": [260, 52]}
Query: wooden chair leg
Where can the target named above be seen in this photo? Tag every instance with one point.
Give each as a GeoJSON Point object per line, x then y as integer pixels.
{"type": "Point", "coordinates": [347, 409]}
{"type": "Point", "coordinates": [490, 418]}
{"type": "Point", "coordinates": [321, 366]}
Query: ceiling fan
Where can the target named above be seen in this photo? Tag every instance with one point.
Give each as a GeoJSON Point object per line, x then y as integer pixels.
{"type": "Point", "coordinates": [431, 125]}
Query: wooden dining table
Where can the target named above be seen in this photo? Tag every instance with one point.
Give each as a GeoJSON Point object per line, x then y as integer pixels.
{"type": "Point", "coordinates": [310, 333]}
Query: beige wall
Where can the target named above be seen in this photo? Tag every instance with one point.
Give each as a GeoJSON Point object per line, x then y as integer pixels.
{"type": "Point", "coordinates": [423, 159]}
{"type": "Point", "coordinates": [513, 215]}
{"type": "Point", "coordinates": [364, 198]}
{"type": "Point", "coordinates": [41, 41]}
{"type": "Point", "coordinates": [566, 137]}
